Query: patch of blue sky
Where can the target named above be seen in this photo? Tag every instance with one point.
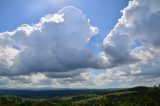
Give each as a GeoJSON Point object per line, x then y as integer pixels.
{"type": "Point", "coordinates": [103, 13]}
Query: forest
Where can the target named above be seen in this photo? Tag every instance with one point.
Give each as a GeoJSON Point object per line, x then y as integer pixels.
{"type": "Point", "coordinates": [137, 96]}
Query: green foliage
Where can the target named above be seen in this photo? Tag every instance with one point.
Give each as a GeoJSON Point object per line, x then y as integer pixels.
{"type": "Point", "coordinates": [139, 96]}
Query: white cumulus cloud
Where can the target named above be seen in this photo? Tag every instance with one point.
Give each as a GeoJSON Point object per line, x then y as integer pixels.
{"type": "Point", "coordinates": [55, 44]}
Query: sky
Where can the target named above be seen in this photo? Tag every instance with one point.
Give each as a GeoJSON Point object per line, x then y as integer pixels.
{"type": "Point", "coordinates": [79, 43]}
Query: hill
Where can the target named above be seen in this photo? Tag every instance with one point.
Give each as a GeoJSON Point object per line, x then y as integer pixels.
{"type": "Point", "coordinates": [138, 96]}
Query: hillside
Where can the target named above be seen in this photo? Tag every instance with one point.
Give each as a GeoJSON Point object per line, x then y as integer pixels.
{"type": "Point", "coordinates": [138, 96]}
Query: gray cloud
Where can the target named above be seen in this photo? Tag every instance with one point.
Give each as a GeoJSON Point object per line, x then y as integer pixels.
{"type": "Point", "coordinates": [138, 22]}
{"type": "Point", "coordinates": [56, 44]}
{"type": "Point", "coordinates": [139, 61]}
{"type": "Point", "coordinates": [149, 30]}
{"type": "Point", "coordinates": [68, 74]}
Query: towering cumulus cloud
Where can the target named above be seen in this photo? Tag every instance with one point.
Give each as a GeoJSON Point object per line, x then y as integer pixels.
{"type": "Point", "coordinates": [133, 46]}
{"type": "Point", "coordinates": [56, 44]}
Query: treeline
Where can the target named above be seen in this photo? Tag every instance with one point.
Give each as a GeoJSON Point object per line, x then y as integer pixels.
{"type": "Point", "coordinates": [138, 96]}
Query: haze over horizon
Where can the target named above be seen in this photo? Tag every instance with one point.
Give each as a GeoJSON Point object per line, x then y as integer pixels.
{"type": "Point", "coordinates": [79, 44]}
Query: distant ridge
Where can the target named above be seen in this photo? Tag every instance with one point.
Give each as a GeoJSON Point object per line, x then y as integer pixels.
{"type": "Point", "coordinates": [41, 93]}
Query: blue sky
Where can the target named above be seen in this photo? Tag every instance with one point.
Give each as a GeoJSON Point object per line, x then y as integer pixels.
{"type": "Point", "coordinates": [51, 43]}
{"type": "Point", "coordinates": [103, 14]}
{"type": "Point", "coordinates": [17, 12]}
